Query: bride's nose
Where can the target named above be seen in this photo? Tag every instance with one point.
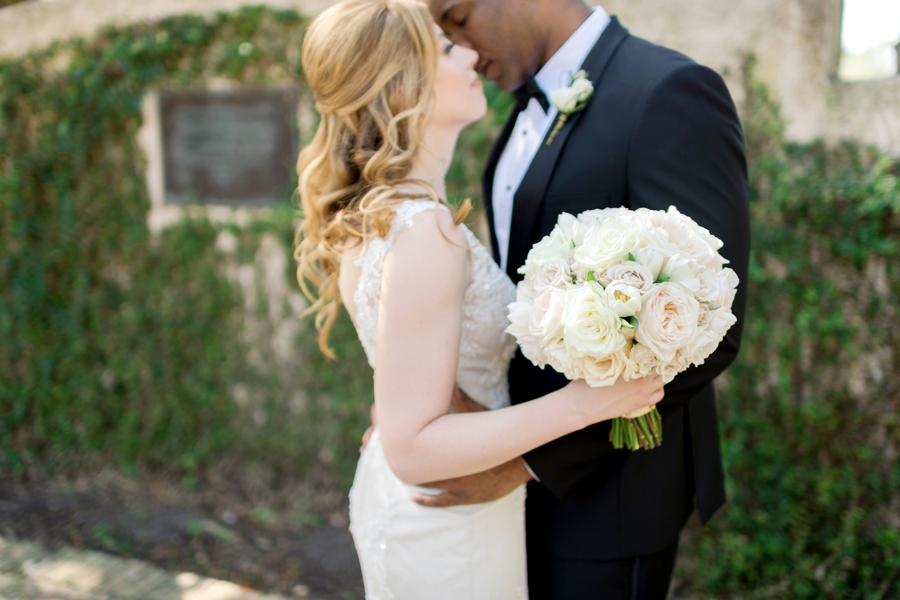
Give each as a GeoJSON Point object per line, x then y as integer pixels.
{"type": "Point", "coordinates": [469, 56]}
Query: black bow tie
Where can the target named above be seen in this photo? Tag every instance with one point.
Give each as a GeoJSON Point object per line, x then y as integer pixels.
{"type": "Point", "coordinates": [530, 89]}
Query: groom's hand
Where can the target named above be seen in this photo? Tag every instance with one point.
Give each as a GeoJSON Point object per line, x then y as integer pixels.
{"type": "Point", "coordinates": [480, 487]}
{"type": "Point", "coordinates": [460, 402]}
{"type": "Point", "coordinates": [371, 428]}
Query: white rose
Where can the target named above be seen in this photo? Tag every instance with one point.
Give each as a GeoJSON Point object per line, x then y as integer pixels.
{"type": "Point", "coordinates": [642, 362]}
{"type": "Point", "coordinates": [604, 371]}
{"type": "Point", "coordinates": [519, 317]}
{"type": "Point", "coordinates": [667, 319]}
{"type": "Point", "coordinates": [571, 228]}
{"type": "Point", "coordinates": [728, 282]}
{"type": "Point", "coordinates": [625, 300]}
{"type": "Point", "coordinates": [591, 326]}
{"type": "Point", "coordinates": [683, 270]}
{"type": "Point", "coordinates": [631, 273]}
{"type": "Point", "coordinates": [552, 249]}
{"type": "Point", "coordinates": [565, 99]}
{"type": "Point", "coordinates": [607, 243]}
{"type": "Point", "coordinates": [590, 217]}
{"type": "Point", "coordinates": [584, 87]}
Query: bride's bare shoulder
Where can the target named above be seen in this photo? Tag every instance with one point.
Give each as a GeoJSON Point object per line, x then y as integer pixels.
{"type": "Point", "coordinates": [432, 231]}
{"type": "Point", "coordinates": [430, 240]}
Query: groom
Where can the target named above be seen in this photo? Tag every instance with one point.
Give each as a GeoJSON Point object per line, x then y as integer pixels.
{"type": "Point", "coordinates": [659, 130]}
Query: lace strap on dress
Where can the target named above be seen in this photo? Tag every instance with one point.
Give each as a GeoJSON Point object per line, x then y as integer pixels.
{"type": "Point", "coordinates": [371, 264]}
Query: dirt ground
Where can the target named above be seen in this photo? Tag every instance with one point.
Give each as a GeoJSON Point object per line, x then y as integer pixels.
{"type": "Point", "coordinates": [291, 542]}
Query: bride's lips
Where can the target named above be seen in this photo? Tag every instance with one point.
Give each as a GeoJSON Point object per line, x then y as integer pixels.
{"type": "Point", "coordinates": [477, 82]}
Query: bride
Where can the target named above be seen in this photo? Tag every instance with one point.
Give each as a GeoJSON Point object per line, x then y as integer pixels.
{"type": "Point", "coordinates": [428, 302]}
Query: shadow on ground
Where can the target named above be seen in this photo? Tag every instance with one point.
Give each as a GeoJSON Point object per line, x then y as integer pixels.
{"type": "Point", "coordinates": [181, 531]}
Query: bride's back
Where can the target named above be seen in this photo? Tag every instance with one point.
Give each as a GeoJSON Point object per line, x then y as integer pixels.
{"type": "Point", "coordinates": [484, 348]}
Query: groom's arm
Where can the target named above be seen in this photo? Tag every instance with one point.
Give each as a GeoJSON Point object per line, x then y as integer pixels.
{"type": "Point", "coordinates": [687, 150]}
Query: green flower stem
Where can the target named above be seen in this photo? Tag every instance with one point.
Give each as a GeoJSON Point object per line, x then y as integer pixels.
{"type": "Point", "coordinates": [641, 433]}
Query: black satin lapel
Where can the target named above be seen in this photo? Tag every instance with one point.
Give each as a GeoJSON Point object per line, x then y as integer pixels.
{"type": "Point", "coordinates": [488, 179]}
{"type": "Point", "coordinates": [530, 195]}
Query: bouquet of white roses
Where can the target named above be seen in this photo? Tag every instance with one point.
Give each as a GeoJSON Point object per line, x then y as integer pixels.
{"type": "Point", "coordinates": [620, 293]}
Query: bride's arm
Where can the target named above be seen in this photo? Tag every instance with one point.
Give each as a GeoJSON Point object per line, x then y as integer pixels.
{"type": "Point", "coordinates": [419, 327]}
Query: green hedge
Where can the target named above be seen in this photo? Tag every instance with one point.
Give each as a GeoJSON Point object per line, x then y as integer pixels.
{"type": "Point", "coordinates": [810, 410]}
{"type": "Point", "coordinates": [113, 343]}
{"type": "Point", "coordinates": [117, 347]}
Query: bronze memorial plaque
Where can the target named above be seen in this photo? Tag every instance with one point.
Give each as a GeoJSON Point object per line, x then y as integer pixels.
{"type": "Point", "coordinates": [229, 147]}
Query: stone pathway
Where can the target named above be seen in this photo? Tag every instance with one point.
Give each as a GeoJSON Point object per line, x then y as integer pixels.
{"type": "Point", "coordinates": [30, 572]}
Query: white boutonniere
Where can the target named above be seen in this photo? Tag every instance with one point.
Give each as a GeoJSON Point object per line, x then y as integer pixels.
{"type": "Point", "coordinates": [569, 100]}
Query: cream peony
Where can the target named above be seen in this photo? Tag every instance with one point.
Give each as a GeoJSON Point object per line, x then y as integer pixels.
{"type": "Point", "coordinates": [708, 290]}
{"type": "Point", "coordinates": [652, 225]}
{"type": "Point", "coordinates": [728, 282]}
{"type": "Point", "coordinates": [669, 370]}
{"type": "Point", "coordinates": [519, 318]}
{"type": "Point", "coordinates": [710, 333]}
{"type": "Point", "coordinates": [546, 321]}
{"type": "Point", "coordinates": [667, 319]}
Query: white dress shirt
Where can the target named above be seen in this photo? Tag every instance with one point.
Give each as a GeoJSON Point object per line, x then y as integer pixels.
{"type": "Point", "coordinates": [533, 124]}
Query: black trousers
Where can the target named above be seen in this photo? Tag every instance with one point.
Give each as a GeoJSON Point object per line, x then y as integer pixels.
{"type": "Point", "coordinates": [637, 578]}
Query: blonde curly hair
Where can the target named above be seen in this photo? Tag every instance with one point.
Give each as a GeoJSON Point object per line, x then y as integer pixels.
{"type": "Point", "coordinates": [371, 65]}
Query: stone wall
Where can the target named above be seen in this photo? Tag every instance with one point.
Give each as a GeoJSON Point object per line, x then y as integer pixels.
{"type": "Point", "coordinates": [797, 43]}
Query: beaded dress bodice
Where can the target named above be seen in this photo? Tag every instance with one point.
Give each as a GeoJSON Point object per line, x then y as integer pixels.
{"type": "Point", "coordinates": [485, 349]}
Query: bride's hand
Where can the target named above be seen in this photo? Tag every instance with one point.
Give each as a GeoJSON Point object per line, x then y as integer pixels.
{"type": "Point", "coordinates": [592, 405]}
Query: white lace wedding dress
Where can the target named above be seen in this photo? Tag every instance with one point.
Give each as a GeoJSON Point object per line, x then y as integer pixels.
{"type": "Point", "coordinates": [407, 551]}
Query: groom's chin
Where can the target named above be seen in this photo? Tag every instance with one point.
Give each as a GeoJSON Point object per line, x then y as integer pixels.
{"type": "Point", "coordinates": [509, 83]}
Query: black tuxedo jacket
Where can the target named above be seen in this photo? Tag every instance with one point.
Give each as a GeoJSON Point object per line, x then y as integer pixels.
{"type": "Point", "coordinates": [660, 130]}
